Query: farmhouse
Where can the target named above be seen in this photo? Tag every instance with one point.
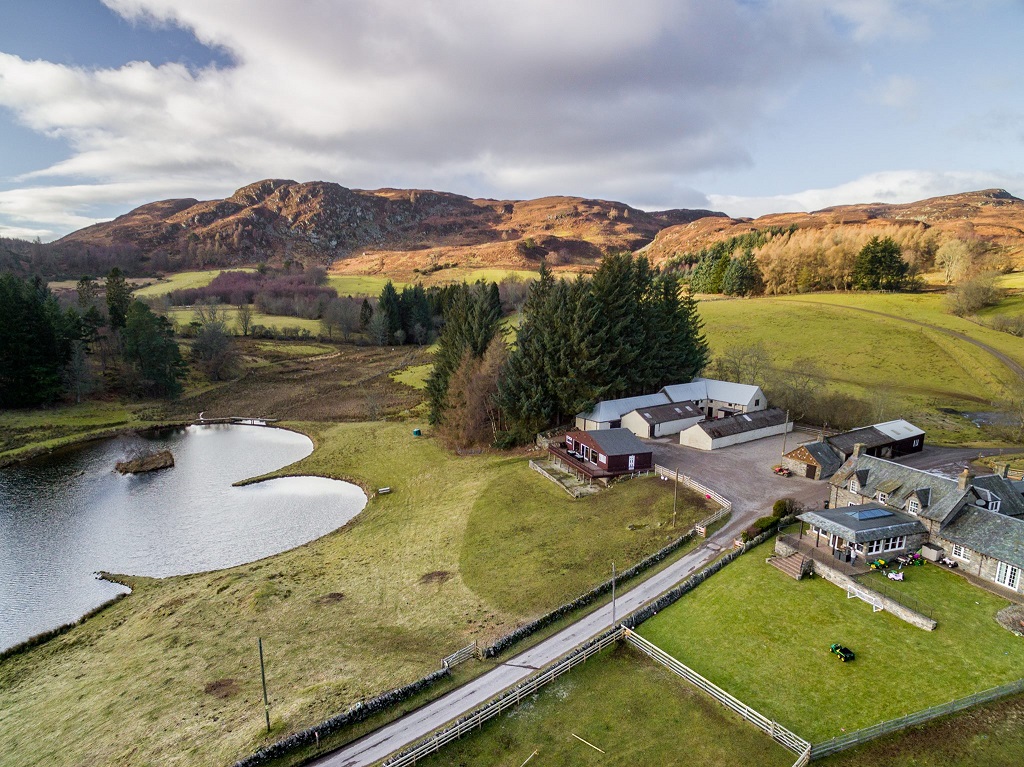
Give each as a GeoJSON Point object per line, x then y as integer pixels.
{"type": "Point", "coordinates": [820, 460]}
{"type": "Point", "coordinates": [976, 521]}
{"type": "Point", "coordinates": [702, 396]}
{"type": "Point", "coordinates": [602, 454]}
{"type": "Point", "coordinates": [734, 429]}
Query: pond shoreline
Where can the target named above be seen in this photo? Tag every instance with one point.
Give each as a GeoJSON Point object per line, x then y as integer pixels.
{"type": "Point", "coordinates": [35, 450]}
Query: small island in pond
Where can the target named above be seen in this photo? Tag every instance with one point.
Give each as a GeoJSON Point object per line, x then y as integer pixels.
{"type": "Point", "coordinates": [152, 462]}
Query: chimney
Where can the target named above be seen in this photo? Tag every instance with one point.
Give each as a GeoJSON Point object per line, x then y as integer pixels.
{"type": "Point", "coordinates": [964, 479]}
{"type": "Point", "coordinates": [858, 450]}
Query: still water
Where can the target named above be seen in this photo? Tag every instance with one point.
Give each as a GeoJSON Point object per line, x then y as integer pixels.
{"type": "Point", "coordinates": [69, 515]}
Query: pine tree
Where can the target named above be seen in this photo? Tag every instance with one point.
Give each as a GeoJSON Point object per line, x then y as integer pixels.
{"type": "Point", "coordinates": [152, 352]}
{"type": "Point", "coordinates": [119, 298]}
{"type": "Point", "coordinates": [880, 266]}
{"type": "Point", "coordinates": [743, 276]}
{"type": "Point", "coordinates": [365, 314]}
{"type": "Point", "coordinates": [389, 305]}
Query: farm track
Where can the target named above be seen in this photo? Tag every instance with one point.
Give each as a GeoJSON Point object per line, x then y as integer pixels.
{"type": "Point", "coordinates": [1016, 368]}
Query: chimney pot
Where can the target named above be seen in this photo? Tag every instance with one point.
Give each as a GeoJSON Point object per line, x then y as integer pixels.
{"type": "Point", "coordinates": [858, 450]}
{"type": "Point", "coordinates": [1004, 470]}
{"type": "Point", "coordinates": [965, 479]}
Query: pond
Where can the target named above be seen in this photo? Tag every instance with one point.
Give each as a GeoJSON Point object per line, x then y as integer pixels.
{"type": "Point", "coordinates": [68, 515]}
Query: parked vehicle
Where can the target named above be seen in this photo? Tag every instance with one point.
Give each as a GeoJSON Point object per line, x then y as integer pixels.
{"type": "Point", "coordinates": [782, 471]}
{"type": "Point", "coordinates": [843, 653]}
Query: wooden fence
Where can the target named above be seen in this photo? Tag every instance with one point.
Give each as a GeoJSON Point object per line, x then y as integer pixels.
{"type": "Point", "coordinates": [778, 733]}
{"type": "Point", "coordinates": [460, 656]}
{"type": "Point", "coordinates": [505, 700]}
{"type": "Point", "coordinates": [693, 484]}
{"type": "Point", "coordinates": [851, 739]}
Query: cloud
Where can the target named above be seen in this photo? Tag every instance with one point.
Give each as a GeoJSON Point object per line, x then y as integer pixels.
{"type": "Point", "coordinates": [514, 99]}
{"type": "Point", "coordinates": [888, 186]}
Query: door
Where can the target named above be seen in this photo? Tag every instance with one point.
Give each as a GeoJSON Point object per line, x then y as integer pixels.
{"type": "Point", "coordinates": [632, 462]}
{"type": "Point", "coordinates": [810, 470]}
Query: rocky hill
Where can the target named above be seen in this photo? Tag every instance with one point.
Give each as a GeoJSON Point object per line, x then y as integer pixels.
{"type": "Point", "coordinates": [320, 222]}
{"type": "Point", "coordinates": [993, 215]}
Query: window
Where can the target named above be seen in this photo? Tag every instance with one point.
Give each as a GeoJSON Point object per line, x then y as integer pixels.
{"type": "Point", "coordinates": [602, 458]}
{"type": "Point", "coordinates": [874, 547]}
{"type": "Point", "coordinates": [917, 442]}
{"type": "Point", "coordinates": [961, 553]}
{"type": "Point", "coordinates": [757, 402]}
{"type": "Point", "coordinates": [1008, 575]}
{"type": "Point", "coordinates": [913, 506]}
{"type": "Point", "coordinates": [892, 544]}
{"type": "Point", "coordinates": [854, 485]}
{"type": "Point", "coordinates": [883, 497]}
{"type": "Point", "coordinates": [994, 504]}
{"type": "Point", "coordinates": [852, 503]}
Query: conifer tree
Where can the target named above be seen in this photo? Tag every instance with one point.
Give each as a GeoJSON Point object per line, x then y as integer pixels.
{"type": "Point", "coordinates": [119, 298]}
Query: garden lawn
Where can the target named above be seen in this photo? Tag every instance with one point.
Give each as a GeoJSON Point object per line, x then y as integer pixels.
{"type": "Point", "coordinates": [636, 711]}
{"type": "Point", "coordinates": [764, 637]}
{"type": "Point", "coordinates": [557, 547]}
{"type": "Point", "coordinates": [170, 674]}
{"type": "Point", "coordinates": [183, 280]}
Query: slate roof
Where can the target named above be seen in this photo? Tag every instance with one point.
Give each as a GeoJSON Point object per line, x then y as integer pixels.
{"type": "Point", "coordinates": [824, 455]}
{"type": "Point", "coordinates": [988, 532]}
{"type": "Point", "coordinates": [676, 411]}
{"type": "Point", "coordinates": [618, 442]}
{"type": "Point", "coordinates": [1012, 503]}
{"type": "Point", "coordinates": [613, 409]}
{"type": "Point", "coordinates": [844, 522]}
{"type": "Point", "coordinates": [742, 423]}
{"type": "Point", "coordinates": [869, 436]}
{"type": "Point", "coordinates": [900, 482]}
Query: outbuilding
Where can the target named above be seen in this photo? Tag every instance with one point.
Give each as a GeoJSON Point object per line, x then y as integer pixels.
{"type": "Point", "coordinates": [662, 420]}
{"type": "Point", "coordinates": [744, 427]}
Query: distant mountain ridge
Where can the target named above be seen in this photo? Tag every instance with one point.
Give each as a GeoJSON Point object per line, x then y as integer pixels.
{"type": "Point", "coordinates": [323, 222]}
{"type": "Point", "coordinates": [404, 232]}
{"type": "Point", "coordinates": [994, 215]}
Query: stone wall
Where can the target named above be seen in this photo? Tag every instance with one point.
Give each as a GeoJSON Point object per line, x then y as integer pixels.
{"type": "Point", "coordinates": [845, 582]}
{"type": "Point", "coordinates": [799, 468]}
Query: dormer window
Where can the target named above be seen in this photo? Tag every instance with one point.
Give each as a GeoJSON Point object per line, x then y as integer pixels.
{"type": "Point", "coordinates": [883, 497]}
{"type": "Point", "coordinates": [854, 485]}
{"type": "Point", "coordinates": [913, 506]}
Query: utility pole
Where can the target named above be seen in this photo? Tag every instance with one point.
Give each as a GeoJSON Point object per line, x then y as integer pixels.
{"type": "Point", "coordinates": [263, 674]}
{"type": "Point", "coordinates": [675, 499]}
{"type": "Point", "coordinates": [613, 593]}
{"type": "Point", "coordinates": [785, 433]}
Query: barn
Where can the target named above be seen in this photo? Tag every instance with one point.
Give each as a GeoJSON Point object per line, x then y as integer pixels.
{"type": "Point", "coordinates": [814, 460]}
{"type": "Point", "coordinates": [891, 439]}
{"type": "Point", "coordinates": [662, 420]}
{"type": "Point", "coordinates": [743, 427]}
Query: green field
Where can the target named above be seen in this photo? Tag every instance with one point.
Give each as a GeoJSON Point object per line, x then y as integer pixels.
{"type": "Point", "coordinates": [636, 711]}
{"type": "Point", "coordinates": [359, 284]}
{"type": "Point", "coordinates": [558, 550]}
{"type": "Point", "coordinates": [183, 315]}
{"type": "Point", "coordinates": [183, 280]}
{"type": "Point", "coordinates": [414, 376]}
{"type": "Point", "coordinates": [367, 608]}
{"type": "Point", "coordinates": [764, 637]}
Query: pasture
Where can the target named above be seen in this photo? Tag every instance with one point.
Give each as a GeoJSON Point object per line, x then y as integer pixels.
{"type": "Point", "coordinates": [634, 710]}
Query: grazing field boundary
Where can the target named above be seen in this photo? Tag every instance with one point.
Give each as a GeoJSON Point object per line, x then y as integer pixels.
{"type": "Point", "coordinates": [693, 484]}
{"type": "Point", "coordinates": [509, 698]}
{"type": "Point", "coordinates": [778, 733]}
{"type": "Point", "coordinates": [851, 739]}
{"type": "Point", "coordinates": [460, 656]}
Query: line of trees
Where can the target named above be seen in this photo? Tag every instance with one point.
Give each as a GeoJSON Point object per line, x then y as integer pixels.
{"type": "Point", "coordinates": [625, 331]}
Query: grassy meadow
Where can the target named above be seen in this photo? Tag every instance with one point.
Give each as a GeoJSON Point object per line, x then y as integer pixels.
{"type": "Point", "coordinates": [916, 372]}
{"type": "Point", "coordinates": [170, 674]}
{"type": "Point", "coordinates": [183, 315]}
{"type": "Point", "coordinates": [183, 280]}
{"type": "Point", "coordinates": [764, 637]}
{"type": "Point", "coordinates": [636, 711]}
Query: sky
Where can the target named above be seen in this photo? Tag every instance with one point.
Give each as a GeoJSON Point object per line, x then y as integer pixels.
{"type": "Point", "coordinates": [744, 106]}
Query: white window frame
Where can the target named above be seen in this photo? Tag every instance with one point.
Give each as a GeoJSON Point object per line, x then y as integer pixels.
{"type": "Point", "coordinates": [893, 544]}
{"type": "Point", "coordinates": [994, 505]}
{"type": "Point", "coordinates": [602, 458]}
{"type": "Point", "coordinates": [883, 497]}
{"type": "Point", "coordinates": [873, 547]}
{"type": "Point", "coordinates": [961, 553]}
{"type": "Point", "coordinates": [914, 506]}
{"type": "Point", "coordinates": [854, 485]}
{"type": "Point", "coordinates": [632, 463]}
{"type": "Point", "coordinates": [1008, 575]}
